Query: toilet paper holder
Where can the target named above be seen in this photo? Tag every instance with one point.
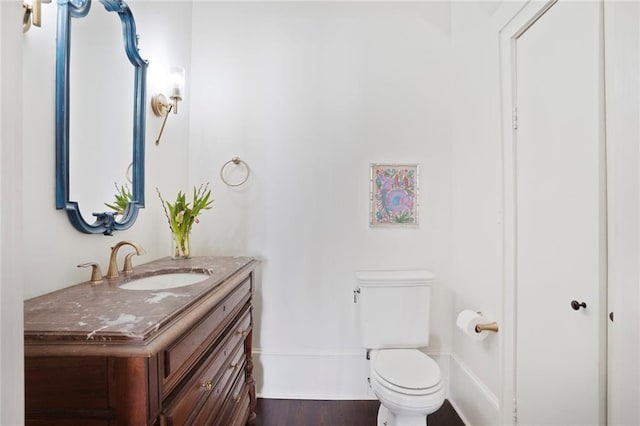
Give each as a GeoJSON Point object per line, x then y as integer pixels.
{"type": "Point", "coordinates": [492, 326]}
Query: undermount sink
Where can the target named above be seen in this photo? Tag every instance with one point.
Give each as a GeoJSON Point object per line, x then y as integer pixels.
{"type": "Point", "coordinates": [164, 281]}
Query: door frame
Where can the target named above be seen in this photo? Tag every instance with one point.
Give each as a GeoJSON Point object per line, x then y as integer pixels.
{"type": "Point", "coordinates": [513, 27]}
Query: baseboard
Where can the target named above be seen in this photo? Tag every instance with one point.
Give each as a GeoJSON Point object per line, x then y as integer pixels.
{"type": "Point", "coordinates": [319, 375]}
{"type": "Point", "coordinates": [474, 402]}
{"type": "Point", "coordinates": [343, 376]}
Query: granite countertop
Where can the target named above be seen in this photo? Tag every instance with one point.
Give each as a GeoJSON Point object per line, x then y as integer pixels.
{"type": "Point", "coordinates": [106, 314]}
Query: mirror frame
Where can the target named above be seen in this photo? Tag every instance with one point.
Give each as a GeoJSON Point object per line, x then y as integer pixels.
{"type": "Point", "coordinates": [105, 222]}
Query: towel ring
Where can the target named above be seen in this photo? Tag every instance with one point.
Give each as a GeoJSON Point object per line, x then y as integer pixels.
{"type": "Point", "coordinates": [237, 161]}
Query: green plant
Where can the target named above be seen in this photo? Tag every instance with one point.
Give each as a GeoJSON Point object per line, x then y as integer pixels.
{"type": "Point", "coordinates": [404, 217]}
{"type": "Point", "coordinates": [123, 197]}
{"type": "Point", "coordinates": [181, 215]}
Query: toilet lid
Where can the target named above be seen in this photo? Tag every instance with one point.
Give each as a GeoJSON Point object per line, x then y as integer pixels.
{"type": "Point", "coordinates": [407, 368]}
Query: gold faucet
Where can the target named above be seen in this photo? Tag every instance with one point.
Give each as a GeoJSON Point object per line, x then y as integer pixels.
{"type": "Point", "coordinates": [113, 265]}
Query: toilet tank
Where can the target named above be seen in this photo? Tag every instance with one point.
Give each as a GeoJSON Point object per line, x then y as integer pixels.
{"type": "Point", "coordinates": [394, 308]}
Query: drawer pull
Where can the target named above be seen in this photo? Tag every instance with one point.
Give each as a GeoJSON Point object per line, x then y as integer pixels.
{"type": "Point", "coordinates": [234, 365]}
{"type": "Point", "coordinates": [243, 333]}
{"type": "Point", "coordinates": [208, 385]}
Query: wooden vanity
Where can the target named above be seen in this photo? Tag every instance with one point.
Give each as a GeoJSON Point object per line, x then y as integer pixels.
{"type": "Point", "coordinates": [96, 354]}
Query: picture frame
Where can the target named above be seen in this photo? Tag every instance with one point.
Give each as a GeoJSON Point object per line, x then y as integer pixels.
{"type": "Point", "coordinates": [394, 195]}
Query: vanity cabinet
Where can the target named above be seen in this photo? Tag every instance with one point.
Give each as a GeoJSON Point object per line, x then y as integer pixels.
{"type": "Point", "coordinates": [188, 363]}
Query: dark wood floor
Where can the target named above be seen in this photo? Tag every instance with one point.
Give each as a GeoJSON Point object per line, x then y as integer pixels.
{"type": "Point", "coordinates": [295, 412]}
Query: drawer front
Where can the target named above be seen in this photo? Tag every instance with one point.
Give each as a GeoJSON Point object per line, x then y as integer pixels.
{"type": "Point", "coordinates": [184, 353]}
{"type": "Point", "coordinates": [234, 405]}
{"type": "Point", "coordinates": [223, 361]}
{"type": "Point", "coordinates": [211, 410]}
{"type": "Point", "coordinates": [242, 415]}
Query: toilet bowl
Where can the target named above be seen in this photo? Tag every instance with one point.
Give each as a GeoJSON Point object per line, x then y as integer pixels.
{"type": "Point", "coordinates": [394, 309]}
{"type": "Point", "coordinates": [408, 384]}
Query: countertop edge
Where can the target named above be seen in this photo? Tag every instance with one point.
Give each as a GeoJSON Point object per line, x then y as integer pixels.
{"type": "Point", "coordinates": [151, 346]}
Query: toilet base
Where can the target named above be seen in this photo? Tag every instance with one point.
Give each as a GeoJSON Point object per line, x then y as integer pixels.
{"type": "Point", "coordinates": [387, 418]}
{"type": "Point", "coordinates": [383, 417]}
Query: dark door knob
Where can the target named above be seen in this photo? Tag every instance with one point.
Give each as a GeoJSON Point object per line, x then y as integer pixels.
{"type": "Point", "coordinates": [575, 305]}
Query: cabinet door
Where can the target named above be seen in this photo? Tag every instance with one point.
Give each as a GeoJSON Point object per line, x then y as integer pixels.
{"type": "Point", "coordinates": [561, 220]}
{"type": "Point", "coordinates": [67, 391]}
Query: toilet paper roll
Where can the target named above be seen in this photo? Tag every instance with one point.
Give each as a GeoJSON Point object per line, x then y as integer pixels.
{"type": "Point", "coordinates": [467, 321]}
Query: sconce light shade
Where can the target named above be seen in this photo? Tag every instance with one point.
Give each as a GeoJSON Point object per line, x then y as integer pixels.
{"type": "Point", "coordinates": [176, 79]}
{"type": "Point", "coordinates": [159, 104]}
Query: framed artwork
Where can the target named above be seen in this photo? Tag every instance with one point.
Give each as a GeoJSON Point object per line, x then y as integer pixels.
{"type": "Point", "coordinates": [394, 195]}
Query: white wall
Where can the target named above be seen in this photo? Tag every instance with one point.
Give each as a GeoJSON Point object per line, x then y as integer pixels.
{"type": "Point", "coordinates": [477, 207]}
{"type": "Point", "coordinates": [42, 255]}
{"type": "Point", "coordinates": [49, 239]}
{"type": "Point", "coordinates": [11, 249]}
{"type": "Point", "coordinates": [2, 309]}
{"type": "Point", "coordinates": [309, 94]}
{"type": "Point", "coordinates": [478, 370]}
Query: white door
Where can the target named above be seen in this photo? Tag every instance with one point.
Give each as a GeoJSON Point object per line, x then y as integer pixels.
{"type": "Point", "coordinates": [560, 218]}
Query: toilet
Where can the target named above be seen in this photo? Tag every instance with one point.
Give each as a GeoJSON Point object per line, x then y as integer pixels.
{"type": "Point", "coordinates": [394, 323]}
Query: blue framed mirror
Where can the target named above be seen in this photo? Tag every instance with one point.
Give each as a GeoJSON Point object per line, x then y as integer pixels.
{"type": "Point", "coordinates": [100, 116]}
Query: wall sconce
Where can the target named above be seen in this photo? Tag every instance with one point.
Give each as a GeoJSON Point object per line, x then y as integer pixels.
{"type": "Point", "coordinates": [159, 104]}
{"type": "Point", "coordinates": [32, 13]}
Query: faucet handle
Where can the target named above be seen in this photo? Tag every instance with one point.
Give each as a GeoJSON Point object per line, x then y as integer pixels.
{"type": "Point", "coordinates": [128, 266]}
{"type": "Point", "coordinates": [96, 273]}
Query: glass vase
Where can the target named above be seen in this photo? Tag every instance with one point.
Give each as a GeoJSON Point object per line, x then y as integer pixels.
{"type": "Point", "coordinates": [180, 246]}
